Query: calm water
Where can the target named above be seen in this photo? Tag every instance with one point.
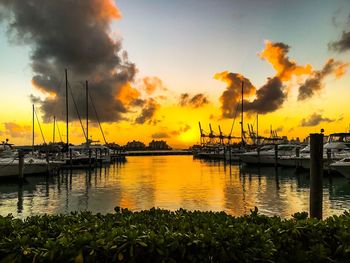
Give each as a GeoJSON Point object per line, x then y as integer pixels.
{"type": "Point", "coordinates": [172, 182]}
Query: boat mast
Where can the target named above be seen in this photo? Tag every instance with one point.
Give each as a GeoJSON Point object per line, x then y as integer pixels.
{"type": "Point", "coordinates": [87, 112]}
{"type": "Point", "coordinates": [257, 128]}
{"type": "Point", "coordinates": [242, 129]}
{"type": "Point", "coordinates": [54, 129]}
{"type": "Point", "coordinates": [67, 120]}
{"type": "Point", "coordinates": [97, 118]}
{"type": "Point", "coordinates": [33, 132]}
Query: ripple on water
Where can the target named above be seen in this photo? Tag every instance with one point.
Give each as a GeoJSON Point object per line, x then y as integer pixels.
{"type": "Point", "coordinates": [172, 182]}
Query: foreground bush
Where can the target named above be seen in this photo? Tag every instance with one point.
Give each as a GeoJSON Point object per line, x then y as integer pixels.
{"type": "Point", "coordinates": [182, 236]}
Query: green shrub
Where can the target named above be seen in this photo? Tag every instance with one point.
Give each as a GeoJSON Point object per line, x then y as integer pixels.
{"type": "Point", "coordinates": [157, 235]}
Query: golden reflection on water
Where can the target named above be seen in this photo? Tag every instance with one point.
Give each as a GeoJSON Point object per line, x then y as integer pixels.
{"type": "Point", "coordinates": [172, 182]}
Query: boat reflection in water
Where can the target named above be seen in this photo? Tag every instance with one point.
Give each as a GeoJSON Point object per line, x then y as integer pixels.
{"type": "Point", "coordinates": [172, 182]}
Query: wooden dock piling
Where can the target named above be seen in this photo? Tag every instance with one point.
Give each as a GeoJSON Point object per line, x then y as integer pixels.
{"type": "Point", "coordinates": [230, 153]}
{"type": "Point", "coordinates": [20, 166]}
{"type": "Point", "coordinates": [70, 158]}
{"type": "Point", "coordinates": [276, 155]}
{"type": "Point", "coordinates": [316, 175]}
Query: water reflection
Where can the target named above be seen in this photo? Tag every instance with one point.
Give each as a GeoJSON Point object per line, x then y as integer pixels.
{"type": "Point", "coordinates": [172, 182]}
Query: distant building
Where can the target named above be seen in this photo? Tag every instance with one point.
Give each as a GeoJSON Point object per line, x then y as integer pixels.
{"type": "Point", "coordinates": [158, 145]}
{"type": "Point", "coordinates": [135, 146]}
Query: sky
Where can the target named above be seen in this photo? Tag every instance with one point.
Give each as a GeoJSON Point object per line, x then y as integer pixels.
{"type": "Point", "coordinates": [156, 68]}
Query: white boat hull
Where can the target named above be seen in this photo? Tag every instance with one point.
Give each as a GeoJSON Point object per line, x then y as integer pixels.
{"type": "Point", "coordinates": [10, 170]}
{"type": "Point", "coordinates": [255, 159]}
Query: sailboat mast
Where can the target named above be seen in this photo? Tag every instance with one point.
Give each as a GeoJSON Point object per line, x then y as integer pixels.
{"type": "Point", "coordinates": [257, 128]}
{"type": "Point", "coordinates": [242, 127]}
{"type": "Point", "coordinates": [54, 129]}
{"type": "Point", "coordinates": [87, 112]}
{"type": "Point", "coordinates": [33, 130]}
{"type": "Point", "coordinates": [67, 120]}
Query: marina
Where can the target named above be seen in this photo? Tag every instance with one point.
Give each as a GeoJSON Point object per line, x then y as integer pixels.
{"type": "Point", "coordinates": [174, 131]}
{"type": "Point", "coordinates": [143, 182]}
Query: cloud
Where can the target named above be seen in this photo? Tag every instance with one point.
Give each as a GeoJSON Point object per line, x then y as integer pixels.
{"type": "Point", "coordinates": [148, 112]}
{"type": "Point", "coordinates": [182, 129]}
{"type": "Point", "coordinates": [74, 35]}
{"type": "Point", "coordinates": [313, 84]}
{"type": "Point", "coordinates": [335, 17]}
{"type": "Point", "coordinates": [151, 84]}
{"type": "Point", "coordinates": [276, 54]}
{"type": "Point", "coordinates": [168, 134]}
{"type": "Point", "coordinates": [341, 45]}
{"type": "Point", "coordinates": [195, 101]}
{"type": "Point", "coordinates": [314, 120]}
{"type": "Point", "coordinates": [17, 131]}
{"type": "Point", "coordinates": [160, 135]}
{"type": "Point", "coordinates": [269, 97]}
{"type": "Point", "coordinates": [232, 95]}
{"type": "Point", "coordinates": [35, 99]}
{"type": "Point", "coordinates": [185, 128]}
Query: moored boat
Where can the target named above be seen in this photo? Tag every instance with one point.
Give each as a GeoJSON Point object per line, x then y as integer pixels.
{"type": "Point", "coordinates": [9, 167]}
{"type": "Point", "coordinates": [266, 154]}
{"type": "Point", "coordinates": [342, 166]}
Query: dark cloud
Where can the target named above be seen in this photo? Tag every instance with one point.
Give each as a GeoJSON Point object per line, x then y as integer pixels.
{"type": "Point", "coordinates": [138, 102]}
{"type": "Point", "coordinates": [314, 120]}
{"type": "Point", "coordinates": [148, 112]}
{"type": "Point", "coordinates": [74, 35]}
{"type": "Point", "coordinates": [343, 44]}
{"type": "Point", "coordinates": [232, 95]}
{"type": "Point", "coordinates": [269, 97]}
{"type": "Point", "coordinates": [273, 94]}
{"type": "Point", "coordinates": [35, 99]}
{"type": "Point", "coordinates": [195, 101]}
{"type": "Point", "coordinates": [314, 84]}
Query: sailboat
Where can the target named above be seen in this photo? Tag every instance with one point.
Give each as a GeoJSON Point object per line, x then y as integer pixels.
{"type": "Point", "coordinates": [9, 160]}
{"type": "Point", "coordinates": [75, 158]}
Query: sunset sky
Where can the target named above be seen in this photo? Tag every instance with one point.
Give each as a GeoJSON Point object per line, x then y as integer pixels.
{"type": "Point", "coordinates": [157, 67]}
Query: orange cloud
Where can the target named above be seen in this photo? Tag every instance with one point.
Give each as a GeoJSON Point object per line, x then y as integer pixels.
{"type": "Point", "coordinates": [128, 94]}
{"type": "Point", "coordinates": [340, 70]}
{"type": "Point", "coordinates": [49, 93]}
{"type": "Point", "coordinates": [16, 130]}
{"type": "Point", "coordinates": [276, 54]}
{"type": "Point", "coordinates": [107, 9]}
{"type": "Point", "coordinates": [151, 84]}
